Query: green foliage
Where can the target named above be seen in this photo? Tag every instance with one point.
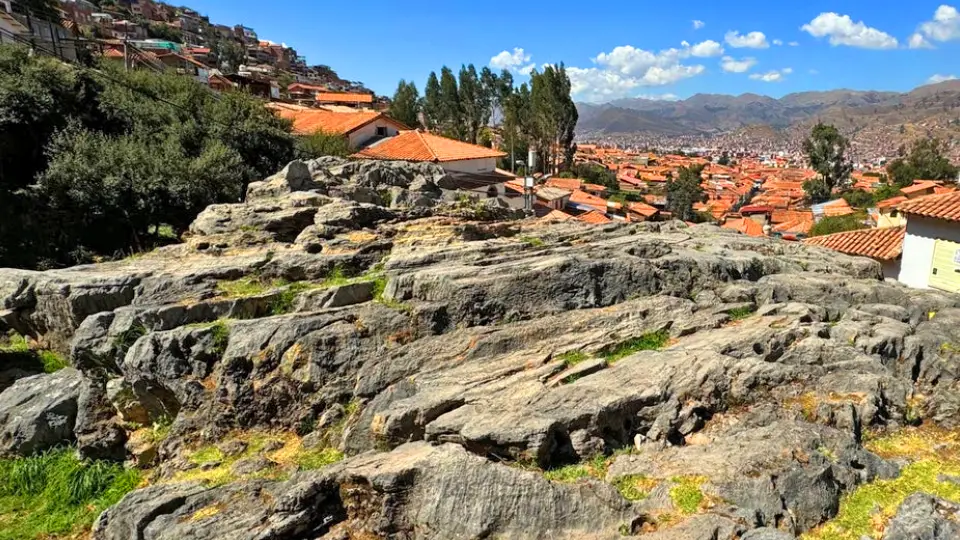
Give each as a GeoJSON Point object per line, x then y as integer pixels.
{"type": "Point", "coordinates": [724, 159]}
{"type": "Point", "coordinates": [52, 362]}
{"type": "Point", "coordinates": [925, 160]}
{"type": "Point", "coordinates": [885, 191]}
{"type": "Point", "coordinates": [316, 459]}
{"type": "Point", "coordinates": [686, 494]}
{"type": "Point", "coordinates": [162, 31]}
{"type": "Point", "coordinates": [684, 192]}
{"type": "Point", "coordinates": [405, 106]}
{"type": "Point", "coordinates": [221, 337]}
{"type": "Point", "coordinates": [206, 455]}
{"type": "Point", "coordinates": [532, 241]}
{"type": "Point", "coordinates": [836, 224]}
{"type": "Point", "coordinates": [92, 163]}
{"type": "Point", "coordinates": [648, 342]}
{"type": "Point", "coordinates": [826, 150]}
{"type": "Point", "coordinates": [568, 474]}
{"type": "Point", "coordinates": [572, 358]}
{"type": "Point", "coordinates": [243, 287]}
{"type": "Point", "coordinates": [858, 198]}
{"type": "Point", "coordinates": [595, 174]}
{"type": "Point", "coordinates": [283, 303]}
{"type": "Point", "coordinates": [634, 487]}
{"type": "Point", "coordinates": [55, 494]}
{"type": "Point", "coordinates": [323, 144]}
{"type": "Point", "coordinates": [124, 340]}
{"type": "Point", "coordinates": [740, 313]}
{"type": "Point", "coordinates": [554, 116]}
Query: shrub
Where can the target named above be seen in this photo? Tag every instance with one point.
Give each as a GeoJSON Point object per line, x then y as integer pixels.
{"type": "Point", "coordinates": [836, 224]}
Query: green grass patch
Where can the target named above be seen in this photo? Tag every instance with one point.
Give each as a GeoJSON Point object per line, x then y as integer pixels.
{"type": "Point", "coordinates": [17, 345]}
{"type": "Point", "coordinates": [572, 358]}
{"type": "Point", "coordinates": [316, 459]}
{"type": "Point", "coordinates": [221, 337]}
{"type": "Point", "coordinates": [532, 241]}
{"type": "Point", "coordinates": [686, 494]}
{"type": "Point", "coordinates": [55, 494]}
{"type": "Point", "coordinates": [648, 342]}
{"type": "Point", "coordinates": [570, 473]}
{"type": "Point", "coordinates": [243, 287]}
{"type": "Point", "coordinates": [740, 313]}
{"type": "Point", "coordinates": [124, 340]}
{"type": "Point", "coordinates": [206, 455]}
{"type": "Point", "coordinates": [635, 487]}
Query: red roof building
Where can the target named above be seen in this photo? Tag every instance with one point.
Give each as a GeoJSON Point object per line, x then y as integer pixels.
{"type": "Point", "coordinates": [416, 145]}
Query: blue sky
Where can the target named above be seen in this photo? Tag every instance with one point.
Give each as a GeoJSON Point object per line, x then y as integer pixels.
{"type": "Point", "coordinates": [623, 48]}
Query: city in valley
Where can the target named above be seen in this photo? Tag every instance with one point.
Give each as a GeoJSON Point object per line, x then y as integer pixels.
{"type": "Point", "coordinates": [381, 270]}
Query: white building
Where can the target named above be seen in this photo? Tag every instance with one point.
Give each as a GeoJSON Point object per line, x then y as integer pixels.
{"type": "Point", "coordinates": [931, 247]}
{"type": "Point", "coordinates": [359, 127]}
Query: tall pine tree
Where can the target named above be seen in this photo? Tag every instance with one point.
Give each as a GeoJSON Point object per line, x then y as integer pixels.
{"type": "Point", "coordinates": [405, 106]}
{"type": "Point", "coordinates": [432, 106]}
{"type": "Point", "coordinates": [451, 115]}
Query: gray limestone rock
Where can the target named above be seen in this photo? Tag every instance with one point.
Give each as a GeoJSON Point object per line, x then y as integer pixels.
{"type": "Point", "coordinates": [922, 517]}
{"type": "Point", "coordinates": [39, 412]}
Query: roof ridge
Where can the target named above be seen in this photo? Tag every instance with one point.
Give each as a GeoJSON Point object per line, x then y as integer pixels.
{"type": "Point", "coordinates": [436, 157]}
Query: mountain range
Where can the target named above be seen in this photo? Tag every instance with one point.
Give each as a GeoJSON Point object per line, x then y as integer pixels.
{"type": "Point", "coordinates": [934, 108]}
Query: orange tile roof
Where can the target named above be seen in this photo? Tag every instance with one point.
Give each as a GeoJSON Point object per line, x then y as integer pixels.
{"type": "Point", "coordinates": [594, 187]}
{"type": "Point", "coordinates": [784, 216]}
{"type": "Point", "coordinates": [586, 199]}
{"type": "Point", "coordinates": [557, 215]}
{"type": "Point", "coordinates": [920, 185]}
{"type": "Point", "coordinates": [310, 121]}
{"type": "Point", "coordinates": [643, 209]}
{"type": "Point", "coordinates": [594, 217]}
{"type": "Point", "coordinates": [565, 183]}
{"type": "Point", "coordinates": [839, 207]}
{"type": "Point", "coordinates": [887, 203]}
{"type": "Point", "coordinates": [746, 226]}
{"type": "Point", "coordinates": [416, 145]}
{"type": "Point", "coordinates": [884, 244]}
{"type": "Point", "coordinates": [796, 226]}
{"type": "Point", "coordinates": [332, 97]}
{"type": "Point", "coordinates": [943, 206]}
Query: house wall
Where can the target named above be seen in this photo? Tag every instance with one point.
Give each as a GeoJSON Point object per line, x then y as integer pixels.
{"type": "Point", "coordinates": [471, 165]}
{"type": "Point", "coordinates": [891, 269]}
{"type": "Point", "coordinates": [918, 247]}
{"type": "Point", "coordinates": [369, 131]}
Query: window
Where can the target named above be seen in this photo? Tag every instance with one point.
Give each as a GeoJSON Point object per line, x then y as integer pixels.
{"type": "Point", "coordinates": [382, 131]}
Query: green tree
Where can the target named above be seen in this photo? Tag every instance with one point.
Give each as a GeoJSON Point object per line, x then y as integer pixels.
{"type": "Point", "coordinates": [471, 101]}
{"type": "Point", "coordinates": [554, 116]}
{"type": "Point", "coordinates": [163, 31]}
{"type": "Point", "coordinates": [451, 114]}
{"type": "Point", "coordinates": [405, 106]}
{"type": "Point", "coordinates": [44, 9]}
{"type": "Point", "coordinates": [432, 108]}
{"type": "Point", "coordinates": [230, 56]}
{"type": "Point", "coordinates": [836, 224]}
{"type": "Point", "coordinates": [858, 198]}
{"type": "Point", "coordinates": [685, 191]}
{"type": "Point", "coordinates": [323, 144]}
{"type": "Point", "coordinates": [826, 150]}
{"type": "Point", "coordinates": [724, 159]}
{"type": "Point", "coordinates": [885, 191]}
{"type": "Point", "coordinates": [924, 161]}
{"type": "Point", "coordinates": [91, 164]}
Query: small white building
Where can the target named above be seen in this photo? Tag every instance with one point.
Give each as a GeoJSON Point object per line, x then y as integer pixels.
{"type": "Point", "coordinates": [931, 247]}
{"type": "Point", "coordinates": [359, 127]}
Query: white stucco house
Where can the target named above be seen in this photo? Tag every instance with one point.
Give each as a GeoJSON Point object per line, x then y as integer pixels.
{"type": "Point", "coordinates": [359, 127]}
{"type": "Point", "coordinates": [931, 246]}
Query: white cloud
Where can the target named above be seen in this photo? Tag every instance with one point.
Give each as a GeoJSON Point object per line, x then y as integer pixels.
{"type": "Point", "coordinates": [813, 72]}
{"type": "Point", "coordinates": [941, 78]}
{"type": "Point", "coordinates": [698, 24]}
{"type": "Point", "coordinates": [771, 76]}
{"type": "Point", "coordinates": [732, 65]}
{"type": "Point", "coordinates": [620, 72]}
{"type": "Point", "coordinates": [843, 31]}
{"type": "Point", "coordinates": [917, 41]}
{"type": "Point", "coordinates": [518, 61]}
{"type": "Point", "coordinates": [778, 42]}
{"type": "Point", "coordinates": [945, 25]}
{"type": "Point", "coordinates": [706, 49]}
{"type": "Point", "coordinates": [794, 44]}
{"type": "Point", "coordinates": [753, 40]}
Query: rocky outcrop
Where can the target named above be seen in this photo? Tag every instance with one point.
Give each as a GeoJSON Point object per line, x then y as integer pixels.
{"type": "Point", "coordinates": [39, 412]}
{"type": "Point", "coordinates": [453, 359]}
{"type": "Point", "coordinates": [922, 517]}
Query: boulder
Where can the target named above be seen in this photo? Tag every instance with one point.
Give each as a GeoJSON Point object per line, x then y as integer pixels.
{"type": "Point", "coordinates": [39, 412]}
{"type": "Point", "coordinates": [923, 517]}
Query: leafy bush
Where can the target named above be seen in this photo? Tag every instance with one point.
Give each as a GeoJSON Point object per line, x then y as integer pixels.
{"type": "Point", "coordinates": [858, 198]}
{"type": "Point", "coordinates": [323, 144]}
{"type": "Point", "coordinates": [836, 224]}
{"type": "Point", "coordinates": [55, 494]}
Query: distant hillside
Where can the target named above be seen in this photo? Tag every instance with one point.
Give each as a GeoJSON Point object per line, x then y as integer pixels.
{"type": "Point", "coordinates": [933, 109]}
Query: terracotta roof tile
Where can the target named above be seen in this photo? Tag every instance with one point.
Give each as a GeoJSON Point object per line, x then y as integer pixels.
{"type": "Point", "coordinates": [565, 183]}
{"type": "Point", "coordinates": [557, 215]}
{"type": "Point", "coordinates": [884, 244]}
{"type": "Point", "coordinates": [585, 199]}
{"type": "Point", "coordinates": [643, 209]}
{"type": "Point", "coordinates": [942, 206]}
{"type": "Point", "coordinates": [888, 203]}
{"type": "Point", "coordinates": [594, 217]}
{"type": "Point", "coordinates": [310, 121]}
{"type": "Point", "coordinates": [746, 226]}
{"type": "Point", "coordinates": [839, 207]}
{"type": "Point", "coordinates": [331, 97]}
{"type": "Point", "coordinates": [920, 185]}
{"type": "Point", "coordinates": [419, 146]}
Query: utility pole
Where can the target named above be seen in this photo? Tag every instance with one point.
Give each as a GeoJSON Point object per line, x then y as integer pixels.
{"type": "Point", "coordinates": [528, 180]}
{"type": "Point", "coordinates": [126, 65]}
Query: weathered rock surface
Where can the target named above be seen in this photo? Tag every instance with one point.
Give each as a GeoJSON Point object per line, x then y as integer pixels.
{"type": "Point", "coordinates": [922, 517]}
{"type": "Point", "coordinates": [438, 351]}
{"type": "Point", "coordinates": [39, 412]}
